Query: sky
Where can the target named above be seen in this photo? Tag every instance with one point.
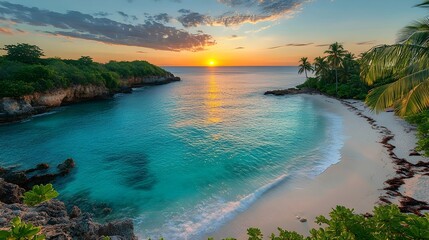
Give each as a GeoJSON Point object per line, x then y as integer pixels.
{"type": "Point", "coordinates": [200, 32]}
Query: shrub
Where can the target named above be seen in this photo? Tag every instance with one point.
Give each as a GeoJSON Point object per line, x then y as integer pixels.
{"type": "Point", "coordinates": [422, 122]}
{"type": "Point", "coordinates": [39, 194]}
{"type": "Point", "coordinates": [387, 222]}
{"type": "Point", "coordinates": [21, 231]}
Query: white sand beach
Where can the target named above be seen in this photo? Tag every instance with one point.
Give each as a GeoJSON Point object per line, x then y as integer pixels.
{"type": "Point", "coordinates": [355, 182]}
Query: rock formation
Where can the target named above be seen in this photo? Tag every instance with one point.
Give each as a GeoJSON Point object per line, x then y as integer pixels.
{"type": "Point", "coordinates": [15, 109]}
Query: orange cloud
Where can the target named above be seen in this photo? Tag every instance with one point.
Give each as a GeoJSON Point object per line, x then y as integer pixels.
{"type": "Point", "coordinates": [6, 31]}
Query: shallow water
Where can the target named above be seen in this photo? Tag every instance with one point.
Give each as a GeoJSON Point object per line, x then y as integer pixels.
{"type": "Point", "coordinates": [182, 159]}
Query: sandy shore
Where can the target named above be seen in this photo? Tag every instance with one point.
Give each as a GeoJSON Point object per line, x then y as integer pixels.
{"type": "Point", "coordinates": [357, 181]}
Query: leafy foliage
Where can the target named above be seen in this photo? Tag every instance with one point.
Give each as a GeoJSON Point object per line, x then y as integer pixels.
{"type": "Point", "coordinates": [387, 222]}
{"type": "Point", "coordinates": [21, 231]}
{"type": "Point", "coordinates": [337, 74]}
{"type": "Point", "coordinates": [19, 76]}
{"type": "Point", "coordinates": [422, 121]}
{"type": "Point", "coordinates": [305, 66]}
{"type": "Point", "coordinates": [39, 194]}
{"type": "Point", "coordinates": [407, 63]}
{"type": "Point", "coordinates": [23, 52]}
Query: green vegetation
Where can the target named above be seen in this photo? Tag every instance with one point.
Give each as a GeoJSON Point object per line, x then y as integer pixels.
{"type": "Point", "coordinates": [22, 72]}
{"type": "Point", "coordinates": [387, 222]}
{"type": "Point", "coordinates": [21, 231]}
{"type": "Point", "coordinates": [336, 74]}
{"type": "Point", "coordinates": [23, 52]}
{"type": "Point", "coordinates": [305, 66]}
{"type": "Point", "coordinates": [422, 121]}
{"type": "Point", "coordinates": [406, 64]}
{"type": "Point", "coordinates": [39, 194]}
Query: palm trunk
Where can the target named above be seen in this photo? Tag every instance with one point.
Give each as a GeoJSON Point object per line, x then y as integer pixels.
{"type": "Point", "coordinates": [305, 70]}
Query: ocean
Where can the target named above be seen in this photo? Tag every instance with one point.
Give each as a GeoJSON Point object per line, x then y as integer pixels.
{"type": "Point", "coordinates": [181, 159]}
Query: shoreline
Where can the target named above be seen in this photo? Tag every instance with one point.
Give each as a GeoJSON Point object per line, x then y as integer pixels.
{"type": "Point", "coordinates": [365, 167]}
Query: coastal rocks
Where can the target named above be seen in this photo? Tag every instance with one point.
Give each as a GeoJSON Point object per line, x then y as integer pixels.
{"type": "Point", "coordinates": [24, 180]}
{"type": "Point", "coordinates": [119, 228]}
{"type": "Point", "coordinates": [292, 91]}
{"type": "Point", "coordinates": [10, 193]}
{"type": "Point", "coordinates": [56, 224]}
{"type": "Point", "coordinates": [149, 81]}
{"type": "Point", "coordinates": [16, 109]}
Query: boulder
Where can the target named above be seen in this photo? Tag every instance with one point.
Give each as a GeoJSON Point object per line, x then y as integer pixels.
{"type": "Point", "coordinates": [124, 228]}
{"type": "Point", "coordinates": [10, 193]}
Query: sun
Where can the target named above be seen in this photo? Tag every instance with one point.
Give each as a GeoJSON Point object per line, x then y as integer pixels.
{"type": "Point", "coordinates": [211, 62]}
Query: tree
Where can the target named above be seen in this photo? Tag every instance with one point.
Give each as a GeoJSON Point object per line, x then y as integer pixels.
{"type": "Point", "coordinates": [335, 53]}
{"type": "Point", "coordinates": [86, 60]}
{"type": "Point", "coordinates": [23, 52]}
{"type": "Point", "coordinates": [407, 64]}
{"type": "Point", "coordinates": [321, 67]}
{"type": "Point", "coordinates": [305, 66]}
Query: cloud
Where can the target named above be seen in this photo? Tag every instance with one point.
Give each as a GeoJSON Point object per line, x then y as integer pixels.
{"type": "Point", "coordinates": [162, 17]}
{"type": "Point", "coordinates": [292, 45]}
{"type": "Point", "coordinates": [323, 45]}
{"type": "Point", "coordinates": [127, 17]}
{"type": "Point", "coordinates": [75, 24]}
{"type": "Point", "coordinates": [141, 52]}
{"type": "Point", "coordinates": [259, 29]}
{"type": "Point", "coordinates": [101, 14]}
{"type": "Point", "coordinates": [192, 19]}
{"type": "Point", "coordinates": [7, 31]}
{"type": "Point", "coordinates": [372, 42]}
{"type": "Point", "coordinates": [239, 48]}
{"type": "Point", "coordinates": [244, 11]}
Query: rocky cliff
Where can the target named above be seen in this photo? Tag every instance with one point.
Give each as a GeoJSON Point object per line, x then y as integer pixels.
{"type": "Point", "coordinates": [15, 109]}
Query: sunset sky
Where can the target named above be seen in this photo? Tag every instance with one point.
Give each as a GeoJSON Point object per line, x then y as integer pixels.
{"type": "Point", "coordinates": [195, 32]}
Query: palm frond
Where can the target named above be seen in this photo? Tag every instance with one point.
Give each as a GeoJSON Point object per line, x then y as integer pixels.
{"type": "Point", "coordinates": [416, 100]}
{"type": "Point", "coordinates": [385, 61]}
{"type": "Point", "coordinates": [378, 99]}
{"type": "Point", "coordinates": [388, 95]}
{"type": "Point", "coordinates": [424, 4]}
{"type": "Point", "coordinates": [416, 33]}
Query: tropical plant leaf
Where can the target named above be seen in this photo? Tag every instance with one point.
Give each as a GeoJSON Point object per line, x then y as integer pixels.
{"type": "Point", "coordinates": [415, 101]}
{"type": "Point", "coordinates": [39, 194]}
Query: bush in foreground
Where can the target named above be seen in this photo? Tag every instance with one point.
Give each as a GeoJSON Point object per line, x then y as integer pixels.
{"type": "Point", "coordinates": [21, 231]}
{"type": "Point", "coordinates": [387, 222]}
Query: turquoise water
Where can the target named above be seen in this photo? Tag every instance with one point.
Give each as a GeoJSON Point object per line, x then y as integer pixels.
{"type": "Point", "coordinates": [182, 159]}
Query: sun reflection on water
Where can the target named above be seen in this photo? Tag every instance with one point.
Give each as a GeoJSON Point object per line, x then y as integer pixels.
{"type": "Point", "coordinates": [213, 101]}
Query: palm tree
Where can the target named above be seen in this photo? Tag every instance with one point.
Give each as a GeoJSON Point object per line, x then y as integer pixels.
{"type": "Point", "coordinates": [335, 53]}
{"type": "Point", "coordinates": [305, 66]}
{"type": "Point", "coordinates": [321, 67]}
{"type": "Point", "coordinates": [407, 62]}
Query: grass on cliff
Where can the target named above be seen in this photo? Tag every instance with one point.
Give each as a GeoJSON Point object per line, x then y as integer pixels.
{"type": "Point", "coordinates": [18, 78]}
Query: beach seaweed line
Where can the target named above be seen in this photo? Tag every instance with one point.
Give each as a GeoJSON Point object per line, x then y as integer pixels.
{"type": "Point", "coordinates": [404, 169]}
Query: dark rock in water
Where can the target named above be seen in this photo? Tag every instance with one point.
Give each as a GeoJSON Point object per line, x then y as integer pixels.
{"type": "Point", "coordinates": [106, 211]}
{"type": "Point", "coordinates": [292, 91]}
{"type": "Point", "coordinates": [139, 177]}
{"type": "Point", "coordinates": [21, 178]}
{"type": "Point", "coordinates": [10, 193]}
{"type": "Point", "coordinates": [66, 166]}
{"type": "Point", "coordinates": [123, 228]}
{"type": "Point", "coordinates": [39, 167]}
{"type": "Point", "coordinates": [75, 212]}
{"type": "Point", "coordinates": [125, 89]}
